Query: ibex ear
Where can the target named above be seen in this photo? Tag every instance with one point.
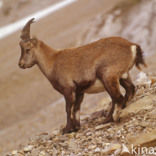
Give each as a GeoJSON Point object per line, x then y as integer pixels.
{"type": "Point", "coordinates": [34, 41]}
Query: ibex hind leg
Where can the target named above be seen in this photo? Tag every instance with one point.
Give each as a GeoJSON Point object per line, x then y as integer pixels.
{"type": "Point", "coordinates": [129, 88]}
{"type": "Point", "coordinates": [111, 84]}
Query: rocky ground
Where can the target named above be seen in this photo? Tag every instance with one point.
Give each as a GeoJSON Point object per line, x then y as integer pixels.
{"type": "Point", "coordinates": [136, 128]}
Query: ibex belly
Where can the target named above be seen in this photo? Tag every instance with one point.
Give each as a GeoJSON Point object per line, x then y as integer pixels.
{"type": "Point", "coordinates": [96, 87]}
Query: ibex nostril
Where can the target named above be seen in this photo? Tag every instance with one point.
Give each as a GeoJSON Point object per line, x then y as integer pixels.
{"type": "Point", "coordinates": [21, 65]}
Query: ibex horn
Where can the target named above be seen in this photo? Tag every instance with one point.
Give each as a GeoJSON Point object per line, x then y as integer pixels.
{"type": "Point", "coordinates": [26, 30]}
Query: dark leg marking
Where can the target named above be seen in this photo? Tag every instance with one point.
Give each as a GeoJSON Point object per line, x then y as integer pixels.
{"type": "Point", "coordinates": [70, 100]}
{"type": "Point", "coordinates": [76, 110]}
{"type": "Point", "coordinates": [130, 89]}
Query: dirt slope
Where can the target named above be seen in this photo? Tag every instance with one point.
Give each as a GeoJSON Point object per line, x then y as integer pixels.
{"type": "Point", "coordinates": [135, 130]}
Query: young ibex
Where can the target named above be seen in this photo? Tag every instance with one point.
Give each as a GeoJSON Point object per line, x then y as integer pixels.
{"type": "Point", "coordinates": [103, 64]}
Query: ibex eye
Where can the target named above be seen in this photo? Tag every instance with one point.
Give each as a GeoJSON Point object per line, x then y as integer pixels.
{"type": "Point", "coordinates": [27, 50]}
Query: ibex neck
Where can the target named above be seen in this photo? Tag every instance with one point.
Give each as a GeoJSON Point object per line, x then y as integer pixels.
{"type": "Point", "coordinates": [45, 58]}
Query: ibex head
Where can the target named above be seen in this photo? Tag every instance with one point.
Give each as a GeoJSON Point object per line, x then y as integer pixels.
{"type": "Point", "coordinates": [28, 46]}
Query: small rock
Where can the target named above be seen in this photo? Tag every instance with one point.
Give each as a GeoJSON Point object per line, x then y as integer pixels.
{"type": "Point", "coordinates": [88, 133]}
{"type": "Point", "coordinates": [106, 144]}
{"type": "Point", "coordinates": [42, 153]}
{"type": "Point", "coordinates": [35, 151]}
{"type": "Point", "coordinates": [14, 152]}
{"type": "Point", "coordinates": [92, 147]}
{"type": "Point", "coordinates": [97, 150]}
{"type": "Point", "coordinates": [55, 152]}
{"type": "Point", "coordinates": [102, 126]}
{"type": "Point", "coordinates": [72, 145]}
{"type": "Point", "coordinates": [64, 145]}
{"type": "Point", "coordinates": [55, 132]}
{"type": "Point", "coordinates": [111, 149]}
{"type": "Point", "coordinates": [143, 79]}
{"type": "Point", "coordinates": [28, 148]}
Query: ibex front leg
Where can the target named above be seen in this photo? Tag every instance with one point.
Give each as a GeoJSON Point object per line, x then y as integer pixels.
{"type": "Point", "coordinates": [71, 109]}
{"type": "Point", "coordinates": [73, 103]}
{"type": "Point", "coordinates": [76, 110]}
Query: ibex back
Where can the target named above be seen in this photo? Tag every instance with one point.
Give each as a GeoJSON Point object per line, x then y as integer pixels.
{"type": "Point", "coordinates": [101, 65]}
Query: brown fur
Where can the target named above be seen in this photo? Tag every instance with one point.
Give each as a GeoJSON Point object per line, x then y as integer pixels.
{"type": "Point", "coordinates": [91, 68]}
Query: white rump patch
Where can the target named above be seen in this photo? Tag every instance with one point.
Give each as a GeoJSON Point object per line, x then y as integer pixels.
{"type": "Point", "coordinates": [134, 51]}
{"type": "Point", "coordinates": [125, 76]}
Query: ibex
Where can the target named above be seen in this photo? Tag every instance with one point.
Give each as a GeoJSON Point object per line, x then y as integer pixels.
{"type": "Point", "coordinates": [98, 66]}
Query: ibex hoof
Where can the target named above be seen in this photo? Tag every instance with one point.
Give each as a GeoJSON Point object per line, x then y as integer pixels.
{"type": "Point", "coordinates": [70, 130]}
{"type": "Point", "coordinates": [108, 119]}
{"type": "Point", "coordinates": [116, 114]}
